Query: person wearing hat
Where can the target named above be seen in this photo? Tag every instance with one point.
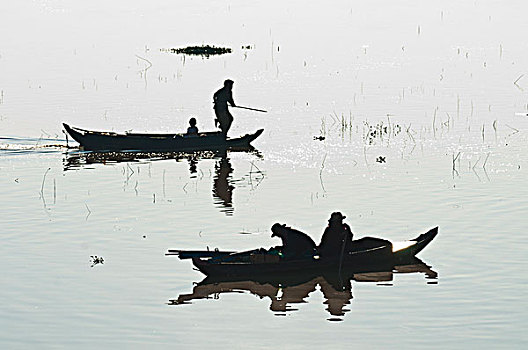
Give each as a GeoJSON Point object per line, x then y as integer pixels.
{"type": "Point", "coordinates": [337, 237]}
{"type": "Point", "coordinates": [220, 100]}
{"type": "Point", "coordinates": [295, 244]}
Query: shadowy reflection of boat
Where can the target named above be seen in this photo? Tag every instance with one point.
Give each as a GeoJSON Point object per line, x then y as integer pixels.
{"type": "Point", "coordinates": [223, 182]}
{"type": "Point", "coordinates": [111, 141]}
{"type": "Point", "coordinates": [79, 159]}
{"type": "Point", "coordinates": [284, 292]}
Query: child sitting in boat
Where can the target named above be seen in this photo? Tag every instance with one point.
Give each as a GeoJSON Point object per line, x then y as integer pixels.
{"type": "Point", "coordinates": [192, 129]}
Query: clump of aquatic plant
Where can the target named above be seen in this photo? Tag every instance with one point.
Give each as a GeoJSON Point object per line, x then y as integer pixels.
{"type": "Point", "coordinates": [96, 260]}
{"type": "Point", "coordinates": [380, 130]}
{"type": "Point", "coordinates": [203, 50]}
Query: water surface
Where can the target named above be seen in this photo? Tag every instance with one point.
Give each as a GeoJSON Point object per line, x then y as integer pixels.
{"type": "Point", "coordinates": [437, 90]}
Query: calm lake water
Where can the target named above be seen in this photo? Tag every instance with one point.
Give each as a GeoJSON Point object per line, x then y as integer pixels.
{"type": "Point", "coordinates": [436, 89]}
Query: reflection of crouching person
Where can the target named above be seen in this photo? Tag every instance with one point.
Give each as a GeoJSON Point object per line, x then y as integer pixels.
{"type": "Point", "coordinates": [295, 244]}
{"type": "Point", "coordinates": [192, 130]}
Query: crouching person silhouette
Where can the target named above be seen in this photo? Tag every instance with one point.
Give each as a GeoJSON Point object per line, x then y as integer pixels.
{"type": "Point", "coordinates": [295, 244]}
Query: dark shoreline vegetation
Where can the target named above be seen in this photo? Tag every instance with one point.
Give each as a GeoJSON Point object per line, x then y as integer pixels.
{"type": "Point", "coordinates": [203, 50]}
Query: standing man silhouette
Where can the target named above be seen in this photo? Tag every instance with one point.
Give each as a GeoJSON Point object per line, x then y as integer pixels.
{"type": "Point", "coordinates": [220, 99]}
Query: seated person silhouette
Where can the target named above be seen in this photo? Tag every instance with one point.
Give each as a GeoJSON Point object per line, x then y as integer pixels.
{"type": "Point", "coordinates": [337, 238]}
{"type": "Point", "coordinates": [295, 244]}
{"type": "Point", "coordinates": [192, 129]}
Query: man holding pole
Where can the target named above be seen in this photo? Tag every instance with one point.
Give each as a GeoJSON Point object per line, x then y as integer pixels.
{"type": "Point", "coordinates": [220, 99]}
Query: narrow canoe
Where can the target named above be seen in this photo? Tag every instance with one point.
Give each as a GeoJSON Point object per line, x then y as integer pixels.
{"type": "Point", "coordinates": [111, 141]}
{"type": "Point", "coordinates": [367, 254]}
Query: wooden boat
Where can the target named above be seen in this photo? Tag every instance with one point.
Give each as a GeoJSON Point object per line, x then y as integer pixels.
{"type": "Point", "coordinates": [366, 254]}
{"type": "Point", "coordinates": [111, 141]}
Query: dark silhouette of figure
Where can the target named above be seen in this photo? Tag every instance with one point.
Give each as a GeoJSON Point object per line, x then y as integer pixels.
{"type": "Point", "coordinates": [222, 188]}
{"type": "Point", "coordinates": [283, 296]}
{"type": "Point", "coordinates": [193, 165]}
{"type": "Point", "coordinates": [291, 295]}
{"type": "Point", "coordinates": [192, 129]}
{"type": "Point", "coordinates": [337, 238]}
{"type": "Point", "coordinates": [337, 296]}
{"type": "Point", "coordinates": [220, 99]}
{"type": "Point", "coordinates": [295, 244]}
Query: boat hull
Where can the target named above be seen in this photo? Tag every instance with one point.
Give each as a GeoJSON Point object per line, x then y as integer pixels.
{"type": "Point", "coordinates": [368, 254]}
{"type": "Point", "coordinates": [110, 141]}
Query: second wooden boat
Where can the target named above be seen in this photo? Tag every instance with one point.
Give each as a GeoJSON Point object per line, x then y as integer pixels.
{"type": "Point", "coordinates": [367, 253]}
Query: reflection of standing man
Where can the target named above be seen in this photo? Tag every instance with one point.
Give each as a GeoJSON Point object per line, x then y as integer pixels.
{"type": "Point", "coordinates": [220, 99]}
{"type": "Point", "coordinates": [222, 188]}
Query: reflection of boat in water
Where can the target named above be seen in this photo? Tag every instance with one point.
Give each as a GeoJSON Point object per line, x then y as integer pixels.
{"type": "Point", "coordinates": [285, 292]}
{"type": "Point", "coordinates": [111, 141]}
{"type": "Point", "coordinates": [79, 159]}
{"type": "Point", "coordinates": [223, 182]}
{"type": "Point", "coordinates": [365, 254]}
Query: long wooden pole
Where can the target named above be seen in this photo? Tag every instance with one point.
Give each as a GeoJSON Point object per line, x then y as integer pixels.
{"type": "Point", "coordinates": [251, 109]}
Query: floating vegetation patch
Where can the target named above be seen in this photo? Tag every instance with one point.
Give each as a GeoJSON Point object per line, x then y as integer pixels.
{"type": "Point", "coordinates": [95, 260]}
{"type": "Point", "coordinates": [381, 130]}
{"type": "Point", "coordinates": [204, 50]}
{"type": "Point", "coordinates": [371, 133]}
